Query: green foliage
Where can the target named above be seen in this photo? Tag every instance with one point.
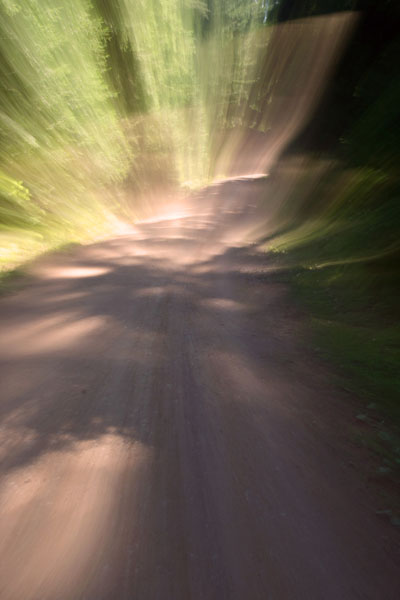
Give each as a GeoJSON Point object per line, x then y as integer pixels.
{"type": "Point", "coordinates": [61, 138]}
{"type": "Point", "coordinates": [337, 230]}
{"type": "Point", "coordinates": [341, 242]}
{"type": "Point", "coordinates": [98, 93]}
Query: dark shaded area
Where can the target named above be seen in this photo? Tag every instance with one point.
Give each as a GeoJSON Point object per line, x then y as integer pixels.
{"type": "Point", "coordinates": [358, 116]}
{"type": "Point", "coordinates": [338, 233]}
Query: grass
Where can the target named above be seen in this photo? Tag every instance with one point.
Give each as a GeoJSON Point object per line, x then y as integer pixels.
{"type": "Point", "coordinates": [10, 280]}
{"type": "Point", "coordinates": [353, 329]}
{"type": "Point", "coordinates": [342, 259]}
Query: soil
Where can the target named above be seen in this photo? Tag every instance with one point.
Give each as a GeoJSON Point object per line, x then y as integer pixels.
{"type": "Point", "coordinates": [166, 433]}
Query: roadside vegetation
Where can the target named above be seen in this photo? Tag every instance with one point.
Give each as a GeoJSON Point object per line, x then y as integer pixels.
{"type": "Point", "coordinates": [338, 229]}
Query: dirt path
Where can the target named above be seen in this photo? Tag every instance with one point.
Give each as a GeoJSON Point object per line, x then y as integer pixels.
{"type": "Point", "coordinates": [164, 434]}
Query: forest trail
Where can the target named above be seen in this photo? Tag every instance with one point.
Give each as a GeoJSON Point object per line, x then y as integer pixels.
{"type": "Point", "coordinates": [166, 434]}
